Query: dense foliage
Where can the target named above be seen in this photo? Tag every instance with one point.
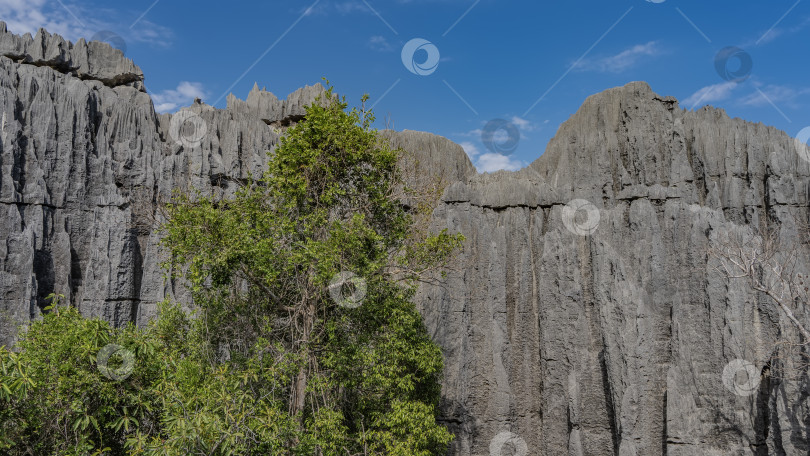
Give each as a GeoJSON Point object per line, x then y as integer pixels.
{"type": "Point", "coordinates": [281, 355]}
{"type": "Point", "coordinates": [55, 400]}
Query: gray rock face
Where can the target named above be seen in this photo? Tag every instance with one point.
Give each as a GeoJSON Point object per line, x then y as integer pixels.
{"type": "Point", "coordinates": [603, 330]}
{"type": "Point", "coordinates": [433, 155]}
{"type": "Point", "coordinates": [83, 160]}
{"type": "Point", "coordinates": [93, 60]}
{"type": "Point", "coordinates": [608, 330]}
{"type": "Point", "coordinates": [265, 106]}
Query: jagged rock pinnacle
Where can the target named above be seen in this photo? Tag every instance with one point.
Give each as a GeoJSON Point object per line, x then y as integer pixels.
{"type": "Point", "coordinates": [584, 314]}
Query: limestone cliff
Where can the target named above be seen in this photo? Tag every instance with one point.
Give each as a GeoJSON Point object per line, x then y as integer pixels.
{"type": "Point", "coordinates": [600, 331]}
{"type": "Point", "coordinates": [610, 334]}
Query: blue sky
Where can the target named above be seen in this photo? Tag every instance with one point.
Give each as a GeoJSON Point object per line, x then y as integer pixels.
{"type": "Point", "coordinates": [530, 64]}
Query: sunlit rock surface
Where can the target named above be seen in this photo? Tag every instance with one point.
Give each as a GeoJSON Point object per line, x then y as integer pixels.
{"type": "Point", "coordinates": [598, 332]}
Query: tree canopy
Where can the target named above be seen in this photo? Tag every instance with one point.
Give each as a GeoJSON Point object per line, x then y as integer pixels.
{"type": "Point", "coordinates": [303, 338]}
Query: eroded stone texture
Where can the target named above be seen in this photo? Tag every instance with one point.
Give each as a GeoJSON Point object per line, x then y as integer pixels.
{"type": "Point", "coordinates": [83, 160]}
{"type": "Point", "coordinates": [611, 342]}
{"type": "Point", "coordinates": [93, 60]}
{"type": "Point", "coordinates": [616, 342]}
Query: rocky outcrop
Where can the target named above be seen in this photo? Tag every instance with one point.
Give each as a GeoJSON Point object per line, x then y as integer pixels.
{"type": "Point", "coordinates": [433, 155]}
{"type": "Point", "coordinates": [584, 316]}
{"type": "Point", "coordinates": [94, 60]}
{"type": "Point", "coordinates": [264, 105]}
{"type": "Point", "coordinates": [84, 159]}
{"type": "Point", "coordinates": [608, 330]}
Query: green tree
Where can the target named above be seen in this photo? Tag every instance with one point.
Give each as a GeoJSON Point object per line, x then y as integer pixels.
{"type": "Point", "coordinates": [343, 379]}
{"type": "Point", "coordinates": [54, 399]}
{"type": "Point", "coordinates": [304, 339]}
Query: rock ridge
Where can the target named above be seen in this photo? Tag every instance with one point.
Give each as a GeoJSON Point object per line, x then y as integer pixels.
{"type": "Point", "coordinates": [584, 315]}
{"type": "Point", "coordinates": [86, 60]}
{"type": "Point", "coordinates": [612, 334]}
{"type": "Point", "coordinates": [277, 113]}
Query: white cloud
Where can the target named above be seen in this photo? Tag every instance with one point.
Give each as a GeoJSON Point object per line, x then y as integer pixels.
{"type": "Point", "coordinates": [350, 7]}
{"type": "Point", "coordinates": [774, 94]}
{"type": "Point", "coordinates": [149, 32]}
{"type": "Point", "coordinates": [72, 21]}
{"type": "Point", "coordinates": [489, 162]}
{"type": "Point", "coordinates": [476, 133]}
{"type": "Point", "coordinates": [380, 43]}
{"type": "Point", "coordinates": [343, 8]}
{"type": "Point", "coordinates": [183, 95]}
{"type": "Point", "coordinates": [763, 95]}
{"type": "Point", "coordinates": [710, 94]}
{"type": "Point", "coordinates": [621, 61]}
{"type": "Point", "coordinates": [523, 124]}
{"type": "Point", "coordinates": [28, 16]}
{"type": "Point", "coordinates": [471, 149]}
{"type": "Point", "coordinates": [771, 35]}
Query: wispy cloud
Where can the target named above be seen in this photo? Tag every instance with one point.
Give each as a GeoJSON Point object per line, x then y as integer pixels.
{"type": "Point", "coordinates": [472, 150]}
{"type": "Point", "coordinates": [73, 21]}
{"type": "Point", "coordinates": [380, 43]}
{"type": "Point", "coordinates": [775, 94]}
{"type": "Point", "coordinates": [523, 124]}
{"type": "Point", "coordinates": [621, 61]}
{"type": "Point", "coordinates": [486, 161]}
{"type": "Point", "coordinates": [27, 16]}
{"type": "Point", "coordinates": [149, 32]}
{"type": "Point", "coordinates": [489, 163]}
{"type": "Point", "coordinates": [476, 133]}
{"type": "Point", "coordinates": [325, 8]}
{"type": "Point", "coordinates": [777, 32]}
{"type": "Point", "coordinates": [172, 99]}
{"type": "Point", "coordinates": [350, 7]}
{"type": "Point", "coordinates": [710, 94]}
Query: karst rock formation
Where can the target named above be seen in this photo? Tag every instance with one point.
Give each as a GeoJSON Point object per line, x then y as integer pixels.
{"type": "Point", "coordinates": [602, 332]}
